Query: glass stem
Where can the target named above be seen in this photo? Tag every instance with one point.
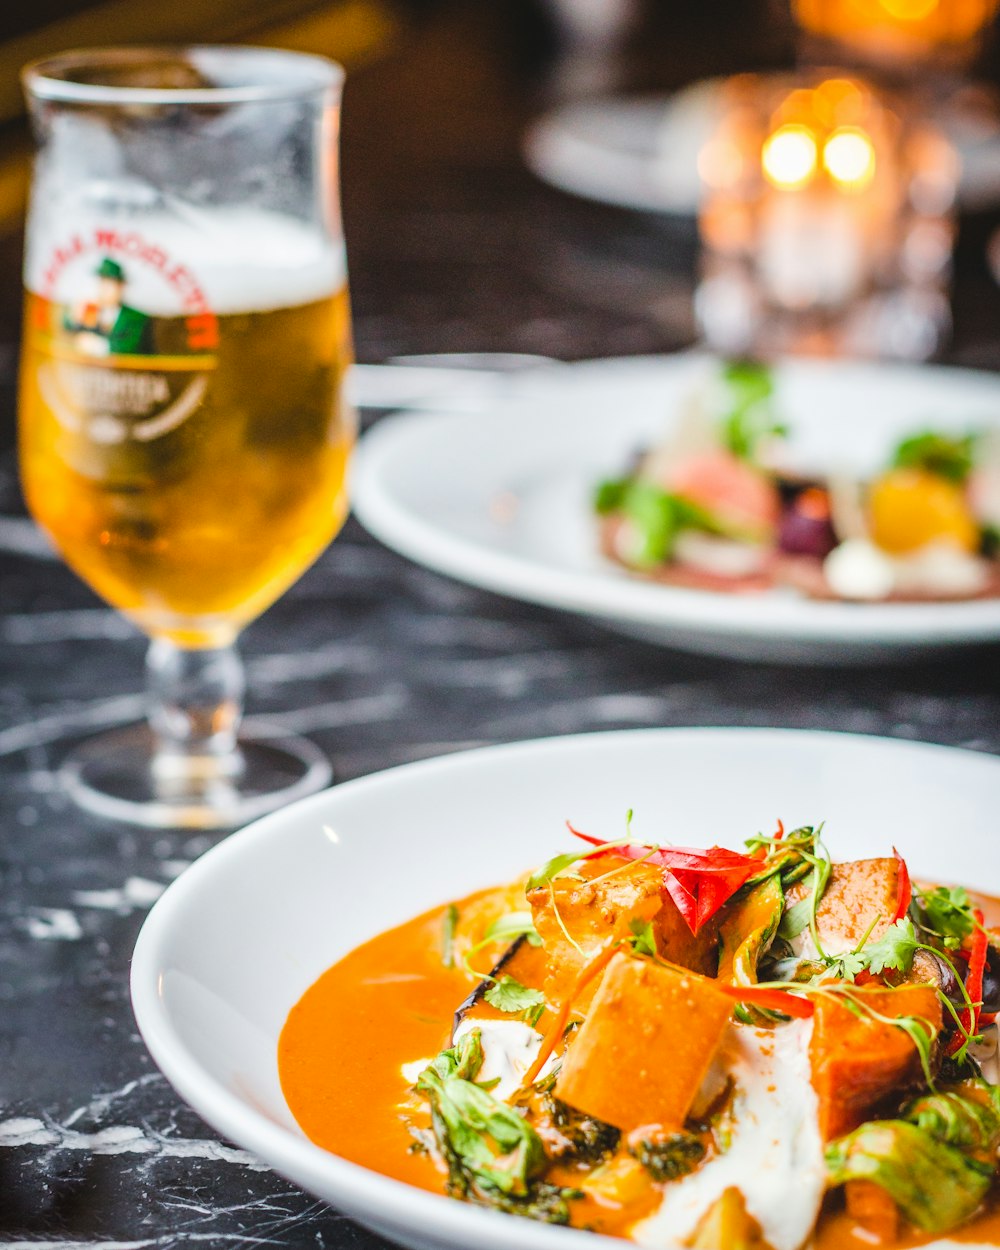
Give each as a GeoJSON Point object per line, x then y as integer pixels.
{"type": "Point", "coordinates": [195, 708]}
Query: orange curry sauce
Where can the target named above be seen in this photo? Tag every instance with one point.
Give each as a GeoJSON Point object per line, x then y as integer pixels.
{"type": "Point", "coordinates": [391, 1001]}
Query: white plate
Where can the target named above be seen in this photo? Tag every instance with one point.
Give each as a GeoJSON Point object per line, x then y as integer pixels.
{"type": "Point", "coordinates": [501, 498]}
{"type": "Point", "coordinates": [642, 152]}
{"type": "Point", "coordinates": [236, 940]}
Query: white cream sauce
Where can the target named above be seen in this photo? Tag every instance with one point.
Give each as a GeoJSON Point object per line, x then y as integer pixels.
{"type": "Point", "coordinates": [775, 1154]}
{"type": "Point", "coordinates": [509, 1050]}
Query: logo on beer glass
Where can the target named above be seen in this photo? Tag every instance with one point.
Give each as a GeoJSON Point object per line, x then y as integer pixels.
{"type": "Point", "coordinates": [127, 336]}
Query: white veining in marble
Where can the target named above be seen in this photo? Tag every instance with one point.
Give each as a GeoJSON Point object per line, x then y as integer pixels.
{"type": "Point", "coordinates": [121, 709]}
{"type": "Point", "coordinates": [137, 894]}
{"type": "Point", "coordinates": [21, 537]}
{"type": "Point", "coordinates": [69, 625]}
{"type": "Point", "coordinates": [340, 712]}
{"type": "Point", "coordinates": [52, 924]}
{"type": "Point", "coordinates": [101, 1104]}
{"type": "Point", "coordinates": [335, 657]}
{"type": "Point", "coordinates": [116, 710]}
{"type": "Point", "coordinates": [120, 1139]}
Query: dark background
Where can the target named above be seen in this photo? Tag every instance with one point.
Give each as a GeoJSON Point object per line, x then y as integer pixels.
{"type": "Point", "coordinates": [454, 246]}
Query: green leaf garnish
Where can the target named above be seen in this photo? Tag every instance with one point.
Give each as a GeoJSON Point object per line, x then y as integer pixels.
{"type": "Point", "coordinates": [946, 455]}
{"type": "Point", "coordinates": [511, 926]}
{"type": "Point", "coordinates": [953, 1116]}
{"type": "Point", "coordinates": [448, 926]}
{"type": "Point", "coordinates": [894, 949]}
{"type": "Point", "coordinates": [796, 917]}
{"type": "Point", "coordinates": [494, 1156]}
{"type": "Point", "coordinates": [846, 966]}
{"type": "Point", "coordinates": [935, 1185]}
{"type": "Point", "coordinates": [750, 419]}
{"type": "Point", "coordinates": [945, 912]}
{"type": "Point", "coordinates": [610, 494]}
{"type": "Point", "coordinates": [656, 516]}
{"type": "Point", "coordinates": [509, 995]}
{"type": "Point", "coordinates": [643, 938]}
{"type": "Point", "coordinates": [554, 868]}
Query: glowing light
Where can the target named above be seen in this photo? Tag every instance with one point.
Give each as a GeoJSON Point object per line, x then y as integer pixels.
{"type": "Point", "coordinates": [849, 157]}
{"type": "Point", "coordinates": [789, 157]}
{"type": "Point", "coordinates": [910, 10]}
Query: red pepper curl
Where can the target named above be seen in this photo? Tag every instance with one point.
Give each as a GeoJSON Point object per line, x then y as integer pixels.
{"type": "Point", "coordinates": [970, 1020]}
{"type": "Point", "coordinates": [700, 882]}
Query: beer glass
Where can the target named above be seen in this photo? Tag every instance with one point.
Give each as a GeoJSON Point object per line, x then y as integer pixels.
{"type": "Point", "coordinates": [183, 430]}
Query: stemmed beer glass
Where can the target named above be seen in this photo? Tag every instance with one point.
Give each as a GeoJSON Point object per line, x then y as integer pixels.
{"type": "Point", "coordinates": [184, 434]}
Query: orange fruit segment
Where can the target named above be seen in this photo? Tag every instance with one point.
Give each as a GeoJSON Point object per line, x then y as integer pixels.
{"type": "Point", "coordinates": [910, 508]}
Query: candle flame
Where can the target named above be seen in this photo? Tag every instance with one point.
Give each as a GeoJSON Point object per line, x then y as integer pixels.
{"type": "Point", "coordinates": [789, 157]}
{"type": "Point", "coordinates": [928, 22]}
{"type": "Point", "coordinates": [849, 158]}
{"type": "Point", "coordinates": [909, 10]}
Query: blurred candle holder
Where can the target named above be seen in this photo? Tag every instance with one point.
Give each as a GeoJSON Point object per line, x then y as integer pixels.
{"type": "Point", "coordinates": [827, 222]}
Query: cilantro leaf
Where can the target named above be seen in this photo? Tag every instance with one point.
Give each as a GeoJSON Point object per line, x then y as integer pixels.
{"type": "Point", "coordinates": [643, 940]}
{"type": "Point", "coordinates": [946, 912]}
{"type": "Point", "coordinates": [894, 949]}
{"type": "Point", "coordinates": [847, 966]}
{"type": "Point", "coordinates": [509, 995]}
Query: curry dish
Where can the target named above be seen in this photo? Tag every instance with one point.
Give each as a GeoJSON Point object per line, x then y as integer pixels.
{"type": "Point", "coordinates": [755, 1050]}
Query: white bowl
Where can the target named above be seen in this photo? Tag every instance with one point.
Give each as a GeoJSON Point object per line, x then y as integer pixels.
{"type": "Point", "coordinates": [236, 940]}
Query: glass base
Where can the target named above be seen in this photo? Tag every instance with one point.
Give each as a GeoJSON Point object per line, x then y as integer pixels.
{"type": "Point", "coordinates": [114, 775]}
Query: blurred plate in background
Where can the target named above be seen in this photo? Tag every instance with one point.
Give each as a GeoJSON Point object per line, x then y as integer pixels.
{"type": "Point", "coordinates": [500, 498]}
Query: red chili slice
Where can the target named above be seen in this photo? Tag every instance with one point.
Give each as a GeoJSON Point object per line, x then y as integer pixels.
{"type": "Point", "coordinates": [699, 881]}
{"type": "Point", "coordinates": [978, 945]}
{"type": "Point", "coordinates": [773, 1000]}
{"type": "Point", "coordinates": [904, 890]}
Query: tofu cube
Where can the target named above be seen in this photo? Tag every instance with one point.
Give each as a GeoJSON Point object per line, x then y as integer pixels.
{"type": "Point", "coordinates": [646, 1044]}
{"type": "Point", "coordinates": [857, 1061]}
{"type": "Point", "coordinates": [588, 911]}
{"type": "Point", "coordinates": [858, 893]}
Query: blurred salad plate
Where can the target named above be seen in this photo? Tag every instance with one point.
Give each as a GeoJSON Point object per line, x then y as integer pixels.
{"type": "Point", "coordinates": [827, 511]}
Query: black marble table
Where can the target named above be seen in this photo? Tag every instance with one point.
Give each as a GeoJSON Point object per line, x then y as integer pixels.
{"type": "Point", "coordinates": [453, 248]}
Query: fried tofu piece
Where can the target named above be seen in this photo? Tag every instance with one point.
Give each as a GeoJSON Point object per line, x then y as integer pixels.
{"type": "Point", "coordinates": [857, 1060]}
{"type": "Point", "coordinates": [643, 1051]}
{"type": "Point", "coordinates": [571, 914]}
{"type": "Point", "coordinates": [858, 893]}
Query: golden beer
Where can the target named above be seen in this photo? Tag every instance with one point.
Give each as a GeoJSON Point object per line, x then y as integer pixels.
{"type": "Point", "coordinates": [184, 434]}
{"type": "Point", "coordinates": [192, 476]}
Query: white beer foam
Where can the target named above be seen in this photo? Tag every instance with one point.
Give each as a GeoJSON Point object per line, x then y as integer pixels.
{"type": "Point", "coordinates": [238, 259]}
